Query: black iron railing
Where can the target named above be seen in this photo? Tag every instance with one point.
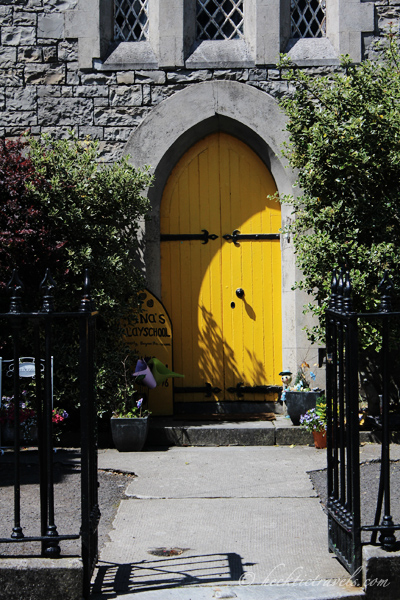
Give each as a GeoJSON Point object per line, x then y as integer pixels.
{"type": "Point", "coordinates": [41, 325]}
{"type": "Point", "coordinates": [343, 439]}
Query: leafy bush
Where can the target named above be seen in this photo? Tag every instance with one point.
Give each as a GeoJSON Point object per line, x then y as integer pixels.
{"type": "Point", "coordinates": [344, 131]}
{"type": "Point", "coordinates": [27, 238]}
{"type": "Point", "coordinates": [80, 214]}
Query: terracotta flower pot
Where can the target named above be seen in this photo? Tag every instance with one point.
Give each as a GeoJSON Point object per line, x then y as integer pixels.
{"type": "Point", "coordinates": [129, 435]}
{"type": "Point", "coordinates": [319, 439]}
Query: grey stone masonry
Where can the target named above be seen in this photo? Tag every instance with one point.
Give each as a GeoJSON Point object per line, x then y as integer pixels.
{"type": "Point", "coordinates": [44, 86]}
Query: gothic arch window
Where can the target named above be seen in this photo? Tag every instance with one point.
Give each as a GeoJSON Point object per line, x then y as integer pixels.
{"type": "Point", "coordinates": [219, 19]}
{"type": "Point", "coordinates": [131, 20]}
{"type": "Point", "coordinates": [308, 18]}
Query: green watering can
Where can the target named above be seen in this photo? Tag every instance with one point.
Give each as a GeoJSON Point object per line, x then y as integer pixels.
{"type": "Point", "coordinates": [160, 371]}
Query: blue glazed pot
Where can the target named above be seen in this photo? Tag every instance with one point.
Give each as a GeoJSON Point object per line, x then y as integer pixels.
{"type": "Point", "coordinates": [298, 403]}
{"type": "Point", "coordinates": [129, 435]}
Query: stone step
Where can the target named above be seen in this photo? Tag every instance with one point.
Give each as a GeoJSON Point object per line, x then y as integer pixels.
{"type": "Point", "coordinates": [281, 431]}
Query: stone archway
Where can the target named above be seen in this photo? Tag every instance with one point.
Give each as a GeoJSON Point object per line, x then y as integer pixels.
{"type": "Point", "coordinates": [176, 124]}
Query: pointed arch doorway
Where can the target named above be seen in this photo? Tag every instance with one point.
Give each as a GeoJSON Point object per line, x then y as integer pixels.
{"type": "Point", "coordinates": [221, 272]}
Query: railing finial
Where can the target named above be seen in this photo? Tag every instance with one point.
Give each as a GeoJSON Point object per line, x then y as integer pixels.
{"type": "Point", "coordinates": [46, 287]}
{"type": "Point", "coordinates": [87, 304]}
{"type": "Point", "coordinates": [340, 289]}
{"type": "Point", "coordinates": [15, 287]}
{"type": "Point", "coordinates": [385, 289]}
{"type": "Point", "coordinates": [332, 302]}
{"type": "Point", "coordinates": [347, 299]}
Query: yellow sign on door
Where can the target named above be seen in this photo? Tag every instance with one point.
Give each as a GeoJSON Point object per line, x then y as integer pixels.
{"type": "Point", "coordinates": [149, 334]}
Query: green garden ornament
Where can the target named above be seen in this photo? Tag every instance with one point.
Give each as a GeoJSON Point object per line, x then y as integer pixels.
{"type": "Point", "coordinates": [161, 372]}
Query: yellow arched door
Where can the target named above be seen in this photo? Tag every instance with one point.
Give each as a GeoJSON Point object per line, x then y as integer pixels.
{"type": "Point", "coordinates": [222, 289]}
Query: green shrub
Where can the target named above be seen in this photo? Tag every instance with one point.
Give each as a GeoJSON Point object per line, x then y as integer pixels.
{"type": "Point", "coordinates": [344, 132]}
{"type": "Point", "coordinates": [92, 215]}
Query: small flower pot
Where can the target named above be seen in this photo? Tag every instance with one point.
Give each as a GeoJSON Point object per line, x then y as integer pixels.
{"type": "Point", "coordinates": [8, 435]}
{"type": "Point", "coordinates": [319, 439]}
{"type": "Point", "coordinates": [298, 403]}
{"type": "Point", "coordinates": [129, 435]}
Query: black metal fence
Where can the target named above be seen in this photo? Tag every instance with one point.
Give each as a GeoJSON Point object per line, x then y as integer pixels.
{"type": "Point", "coordinates": [41, 324]}
{"type": "Point", "coordinates": [345, 525]}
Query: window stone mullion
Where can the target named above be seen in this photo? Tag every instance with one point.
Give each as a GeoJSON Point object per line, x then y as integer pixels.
{"type": "Point", "coordinates": [170, 32]}
{"type": "Point", "coordinates": [346, 20]}
{"type": "Point", "coordinates": [262, 28]}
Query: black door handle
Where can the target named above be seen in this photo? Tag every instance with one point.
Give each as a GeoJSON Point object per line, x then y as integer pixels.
{"type": "Point", "coordinates": [240, 292]}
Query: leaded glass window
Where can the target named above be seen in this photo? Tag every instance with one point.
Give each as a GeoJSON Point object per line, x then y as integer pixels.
{"type": "Point", "coordinates": [219, 19]}
{"type": "Point", "coordinates": [131, 20]}
{"type": "Point", "coordinates": [308, 18]}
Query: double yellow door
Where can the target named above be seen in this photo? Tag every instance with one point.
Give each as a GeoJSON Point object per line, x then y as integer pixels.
{"type": "Point", "coordinates": [221, 271]}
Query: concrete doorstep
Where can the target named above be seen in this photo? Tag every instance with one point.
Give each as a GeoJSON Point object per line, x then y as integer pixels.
{"type": "Point", "coordinates": [280, 432]}
{"type": "Point", "coordinates": [226, 433]}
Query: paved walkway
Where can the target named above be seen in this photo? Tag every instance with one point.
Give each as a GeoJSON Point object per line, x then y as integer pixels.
{"type": "Point", "coordinates": [232, 519]}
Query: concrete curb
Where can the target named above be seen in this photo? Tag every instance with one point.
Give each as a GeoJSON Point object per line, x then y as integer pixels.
{"type": "Point", "coordinates": [38, 578]}
{"type": "Point", "coordinates": [381, 573]}
{"type": "Point", "coordinates": [316, 590]}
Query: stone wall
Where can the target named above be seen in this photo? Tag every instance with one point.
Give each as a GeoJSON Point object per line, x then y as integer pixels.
{"type": "Point", "coordinates": [54, 77]}
{"type": "Point", "coordinates": [387, 18]}
{"type": "Point", "coordinates": [42, 87]}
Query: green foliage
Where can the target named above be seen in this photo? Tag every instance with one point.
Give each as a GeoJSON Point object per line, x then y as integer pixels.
{"type": "Point", "coordinates": [300, 382]}
{"type": "Point", "coordinates": [321, 408]}
{"type": "Point", "coordinates": [127, 402]}
{"type": "Point", "coordinates": [344, 132]}
{"type": "Point", "coordinates": [315, 418]}
{"type": "Point", "coordinates": [26, 235]}
{"type": "Point", "coordinates": [94, 212]}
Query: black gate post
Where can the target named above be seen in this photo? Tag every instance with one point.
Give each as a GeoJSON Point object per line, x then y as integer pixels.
{"type": "Point", "coordinates": [344, 536]}
{"type": "Point", "coordinates": [387, 537]}
{"type": "Point", "coordinates": [43, 322]}
{"type": "Point", "coordinates": [16, 287]}
{"type": "Point", "coordinates": [50, 549]}
{"type": "Point", "coordinates": [343, 439]}
{"type": "Point", "coordinates": [90, 506]}
{"type": "Point", "coordinates": [353, 448]}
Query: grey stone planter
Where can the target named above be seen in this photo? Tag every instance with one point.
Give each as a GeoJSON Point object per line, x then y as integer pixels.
{"type": "Point", "coordinates": [298, 403]}
{"type": "Point", "coordinates": [129, 435]}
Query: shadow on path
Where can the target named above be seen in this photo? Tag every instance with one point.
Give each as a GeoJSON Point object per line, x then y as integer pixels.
{"type": "Point", "coordinates": [164, 573]}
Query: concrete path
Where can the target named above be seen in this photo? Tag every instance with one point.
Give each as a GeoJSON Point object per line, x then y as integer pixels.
{"type": "Point", "coordinates": [230, 520]}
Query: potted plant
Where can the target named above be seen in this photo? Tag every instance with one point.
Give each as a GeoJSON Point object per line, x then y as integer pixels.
{"type": "Point", "coordinates": [314, 421]}
{"type": "Point", "coordinates": [129, 421]}
{"type": "Point", "coordinates": [300, 397]}
{"type": "Point", "coordinates": [129, 427]}
{"type": "Point", "coordinates": [58, 417]}
{"type": "Point", "coordinates": [27, 420]}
